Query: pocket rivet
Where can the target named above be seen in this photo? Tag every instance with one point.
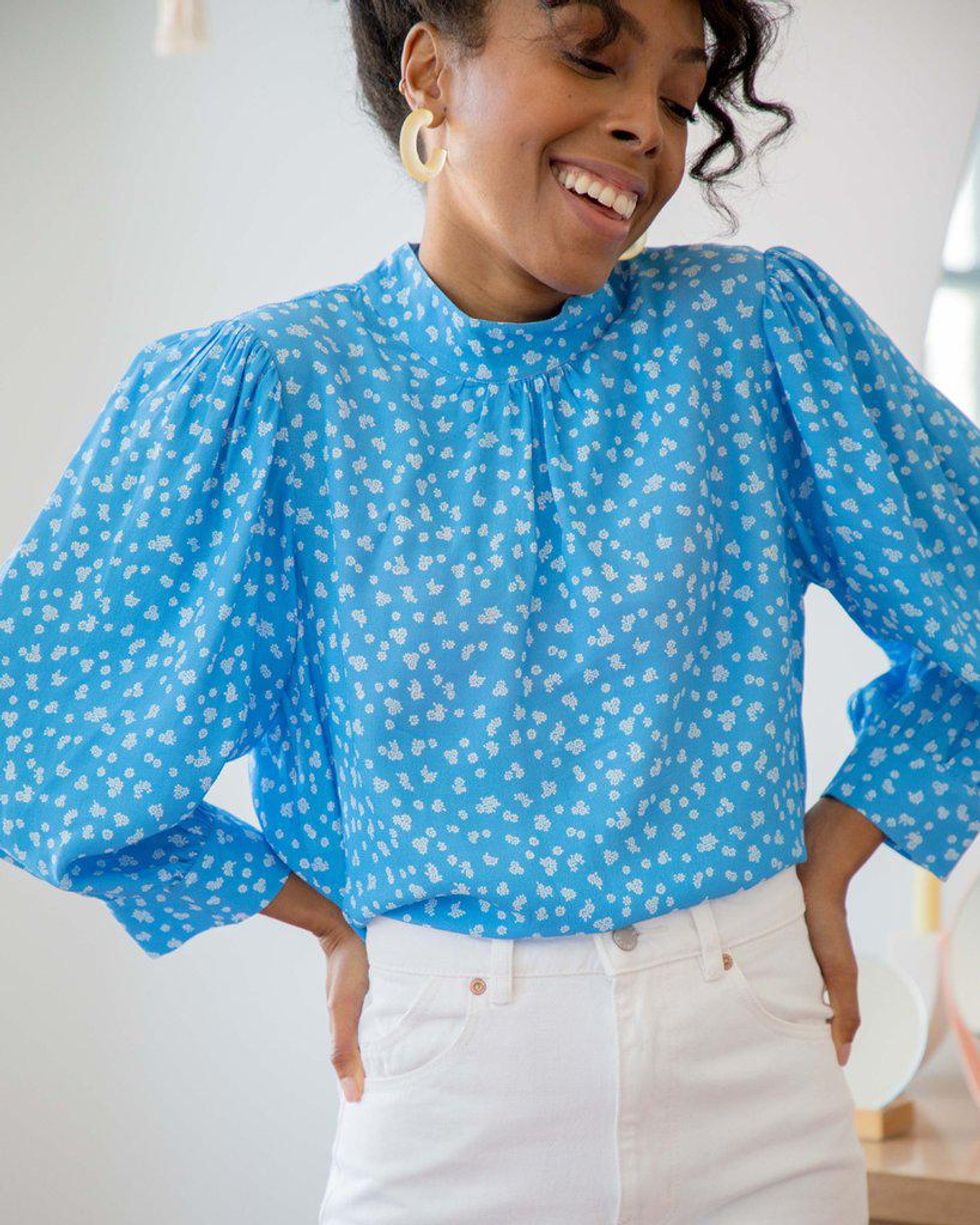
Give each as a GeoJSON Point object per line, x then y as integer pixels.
{"type": "Point", "coordinates": [478, 985]}
{"type": "Point", "coordinates": [626, 937]}
{"type": "Point", "coordinates": [726, 960]}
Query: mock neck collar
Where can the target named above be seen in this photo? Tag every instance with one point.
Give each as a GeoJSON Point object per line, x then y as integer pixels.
{"type": "Point", "coordinates": [422, 317]}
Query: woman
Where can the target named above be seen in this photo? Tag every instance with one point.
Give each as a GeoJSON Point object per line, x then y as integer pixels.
{"type": "Point", "coordinates": [494, 560]}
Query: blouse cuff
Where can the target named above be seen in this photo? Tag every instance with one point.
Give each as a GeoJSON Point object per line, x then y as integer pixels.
{"type": "Point", "coordinates": [923, 792]}
{"type": "Point", "coordinates": [211, 870]}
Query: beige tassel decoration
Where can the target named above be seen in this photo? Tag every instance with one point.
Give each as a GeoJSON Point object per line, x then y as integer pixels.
{"type": "Point", "coordinates": [181, 27]}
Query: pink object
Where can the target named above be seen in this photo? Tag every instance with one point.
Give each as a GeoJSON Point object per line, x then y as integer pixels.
{"type": "Point", "coordinates": [966, 1041]}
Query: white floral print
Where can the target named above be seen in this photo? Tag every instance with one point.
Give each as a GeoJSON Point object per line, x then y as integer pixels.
{"type": "Point", "coordinates": [508, 616]}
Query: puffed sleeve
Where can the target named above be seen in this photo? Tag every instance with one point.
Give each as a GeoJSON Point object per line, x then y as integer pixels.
{"type": "Point", "coordinates": [147, 629]}
{"type": "Point", "coordinates": [881, 478]}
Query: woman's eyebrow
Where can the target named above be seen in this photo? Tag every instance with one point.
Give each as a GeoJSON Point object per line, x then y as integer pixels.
{"type": "Point", "coordinates": [686, 55]}
{"type": "Point", "coordinates": [631, 26]}
{"type": "Point", "coordinates": [691, 55]}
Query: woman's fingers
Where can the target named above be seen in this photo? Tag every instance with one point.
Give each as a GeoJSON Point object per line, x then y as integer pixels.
{"type": "Point", "coordinates": [347, 983]}
{"type": "Point", "coordinates": [345, 1056]}
{"type": "Point", "coordinates": [841, 980]}
{"type": "Point", "coordinates": [826, 917]}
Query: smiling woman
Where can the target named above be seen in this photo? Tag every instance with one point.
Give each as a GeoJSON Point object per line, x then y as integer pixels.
{"type": "Point", "coordinates": [625, 44]}
{"type": "Point", "coordinates": [493, 560]}
{"type": "Point", "coordinates": [505, 92]}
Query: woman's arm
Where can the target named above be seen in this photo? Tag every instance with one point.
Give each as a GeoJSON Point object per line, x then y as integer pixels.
{"type": "Point", "coordinates": [880, 475]}
{"type": "Point", "coordinates": [839, 840]}
{"type": "Point", "coordinates": [300, 905]}
{"type": "Point", "coordinates": [881, 479]}
{"type": "Point", "coordinates": [147, 630]}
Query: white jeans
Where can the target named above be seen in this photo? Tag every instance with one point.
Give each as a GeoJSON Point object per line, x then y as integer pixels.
{"type": "Point", "coordinates": [679, 1071]}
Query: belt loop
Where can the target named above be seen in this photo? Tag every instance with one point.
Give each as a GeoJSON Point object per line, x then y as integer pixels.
{"type": "Point", "coordinates": [501, 971]}
{"type": "Point", "coordinates": [712, 964]}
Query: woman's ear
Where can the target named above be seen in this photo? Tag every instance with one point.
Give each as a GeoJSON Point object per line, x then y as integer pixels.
{"type": "Point", "coordinates": [424, 68]}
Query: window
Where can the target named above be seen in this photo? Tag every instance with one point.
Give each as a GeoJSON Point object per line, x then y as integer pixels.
{"type": "Point", "coordinates": [952, 345]}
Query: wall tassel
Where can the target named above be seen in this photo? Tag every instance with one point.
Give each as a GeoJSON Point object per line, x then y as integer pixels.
{"type": "Point", "coordinates": [181, 27]}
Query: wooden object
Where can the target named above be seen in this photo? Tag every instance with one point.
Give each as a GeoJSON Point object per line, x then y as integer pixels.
{"type": "Point", "coordinates": [927, 892]}
{"type": "Point", "coordinates": [892, 1120]}
{"type": "Point", "coordinates": [930, 1175]}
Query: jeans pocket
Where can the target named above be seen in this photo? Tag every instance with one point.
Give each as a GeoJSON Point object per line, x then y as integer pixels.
{"type": "Point", "coordinates": [777, 978]}
{"type": "Point", "coordinates": [412, 1023]}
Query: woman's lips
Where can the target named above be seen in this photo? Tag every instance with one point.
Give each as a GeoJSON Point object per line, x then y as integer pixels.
{"type": "Point", "coordinates": [598, 220]}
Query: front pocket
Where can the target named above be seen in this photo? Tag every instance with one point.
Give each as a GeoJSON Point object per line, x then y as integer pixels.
{"type": "Point", "coordinates": [777, 977]}
{"type": "Point", "coordinates": [412, 1023]}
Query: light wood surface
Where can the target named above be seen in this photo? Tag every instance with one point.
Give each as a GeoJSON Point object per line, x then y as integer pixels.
{"type": "Point", "coordinates": [932, 1175]}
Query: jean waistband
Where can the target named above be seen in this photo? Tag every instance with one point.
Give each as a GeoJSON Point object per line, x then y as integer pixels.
{"type": "Point", "coordinates": [703, 929]}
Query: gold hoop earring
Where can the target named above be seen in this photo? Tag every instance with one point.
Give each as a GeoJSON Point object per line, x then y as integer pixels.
{"type": "Point", "coordinates": [421, 171]}
{"type": "Point", "coordinates": [635, 248]}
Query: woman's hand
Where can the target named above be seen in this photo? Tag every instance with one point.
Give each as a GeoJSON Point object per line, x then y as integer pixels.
{"type": "Point", "coordinates": [826, 916]}
{"type": "Point", "coordinates": [839, 839]}
{"type": "Point", "coordinates": [347, 984]}
{"type": "Point", "coordinates": [301, 905]}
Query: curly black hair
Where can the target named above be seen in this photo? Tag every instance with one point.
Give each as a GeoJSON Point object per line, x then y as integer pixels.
{"type": "Point", "coordinates": [740, 33]}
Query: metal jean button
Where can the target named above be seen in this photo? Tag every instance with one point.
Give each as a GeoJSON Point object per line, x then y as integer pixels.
{"type": "Point", "coordinates": [626, 937]}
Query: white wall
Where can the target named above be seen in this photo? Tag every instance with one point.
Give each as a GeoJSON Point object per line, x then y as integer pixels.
{"type": "Point", "coordinates": [140, 195]}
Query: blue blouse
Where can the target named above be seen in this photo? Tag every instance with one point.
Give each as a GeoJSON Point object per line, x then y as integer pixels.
{"type": "Point", "coordinates": [508, 616]}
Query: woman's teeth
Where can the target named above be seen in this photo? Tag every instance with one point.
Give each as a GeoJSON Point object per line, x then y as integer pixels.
{"type": "Point", "coordinates": [585, 184]}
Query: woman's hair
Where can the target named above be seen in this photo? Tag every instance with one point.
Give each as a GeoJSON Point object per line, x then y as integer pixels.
{"type": "Point", "coordinates": [739, 35]}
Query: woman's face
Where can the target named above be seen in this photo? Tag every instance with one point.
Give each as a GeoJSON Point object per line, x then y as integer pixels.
{"type": "Point", "coordinates": [506, 115]}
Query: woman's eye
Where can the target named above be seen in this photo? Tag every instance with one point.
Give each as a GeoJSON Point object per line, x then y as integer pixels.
{"type": "Point", "coordinates": [591, 65]}
{"type": "Point", "coordinates": [681, 112]}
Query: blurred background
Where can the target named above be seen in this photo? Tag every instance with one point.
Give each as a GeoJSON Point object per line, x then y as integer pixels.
{"type": "Point", "coordinates": [141, 194]}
